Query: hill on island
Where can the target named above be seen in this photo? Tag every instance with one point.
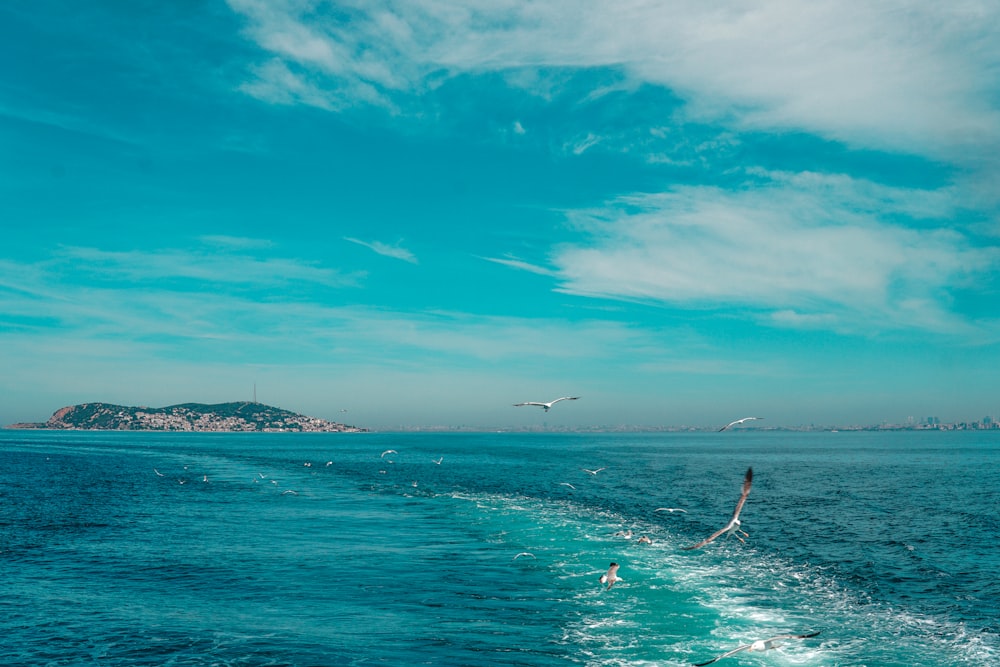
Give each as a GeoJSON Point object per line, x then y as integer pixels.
{"type": "Point", "coordinates": [242, 416]}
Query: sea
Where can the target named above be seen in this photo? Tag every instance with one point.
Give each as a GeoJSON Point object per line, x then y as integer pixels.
{"type": "Point", "coordinates": [483, 549]}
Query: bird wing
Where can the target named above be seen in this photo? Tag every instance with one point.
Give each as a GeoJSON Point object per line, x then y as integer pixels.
{"type": "Point", "coordinates": [710, 538]}
{"type": "Point", "coordinates": [541, 405]}
{"type": "Point", "coordinates": [565, 398]}
{"type": "Point", "coordinates": [747, 481]}
{"type": "Point", "coordinates": [724, 655]}
{"type": "Point", "coordinates": [738, 421]}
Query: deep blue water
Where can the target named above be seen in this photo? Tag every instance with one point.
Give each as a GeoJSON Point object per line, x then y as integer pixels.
{"type": "Point", "coordinates": [886, 543]}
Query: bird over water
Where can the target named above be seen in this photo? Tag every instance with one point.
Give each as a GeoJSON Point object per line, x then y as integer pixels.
{"type": "Point", "coordinates": [738, 421]}
{"type": "Point", "coordinates": [733, 527]}
{"type": "Point", "coordinates": [759, 645]}
{"type": "Point", "coordinates": [548, 406]}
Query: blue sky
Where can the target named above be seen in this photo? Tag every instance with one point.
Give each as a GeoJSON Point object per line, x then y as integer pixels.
{"type": "Point", "coordinates": [424, 212]}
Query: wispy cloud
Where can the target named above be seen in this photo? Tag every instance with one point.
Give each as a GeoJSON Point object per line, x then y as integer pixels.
{"type": "Point", "coordinates": [200, 266]}
{"type": "Point", "coordinates": [915, 78]}
{"type": "Point", "coordinates": [813, 248]}
{"type": "Point", "coordinates": [522, 265]}
{"type": "Point", "coordinates": [386, 250]}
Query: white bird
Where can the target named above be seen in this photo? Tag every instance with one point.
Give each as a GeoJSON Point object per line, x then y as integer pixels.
{"type": "Point", "coordinates": [548, 406]}
{"type": "Point", "coordinates": [669, 509]}
{"type": "Point", "coordinates": [738, 421]}
{"type": "Point", "coordinates": [438, 460]}
{"type": "Point", "coordinates": [308, 464]}
{"type": "Point", "coordinates": [733, 527]}
{"type": "Point", "coordinates": [289, 492]}
{"type": "Point", "coordinates": [567, 484]}
{"type": "Point", "coordinates": [329, 463]}
{"type": "Point", "coordinates": [611, 576]}
{"type": "Point", "coordinates": [389, 451]}
{"type": "Point", "coordinates": [160, 474]}
{"type": "Point", "coordinates": [759, 645]}
{"type": "Point", "coordinates": [593, 472]}
{"type": "Point", "coordinates": [523, 553]}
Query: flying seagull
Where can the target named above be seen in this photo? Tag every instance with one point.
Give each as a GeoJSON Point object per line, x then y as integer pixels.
{"type": "Point", "coordinates": [548, 406]}
{"type": "Point", "coordinates": [592, 472]}
{"type": "Point", "coordinates": [389, 451]}
{"type": "Point", "coordinates": [733, 527]}
{"type": "Point", "coordinates": [670, 509]}
{"type": "Point", "coordinates": [759, 645]}
{"type": "Point", "coordinates": [611, 576]}
{"type": "Point", "coordinates": [738, 421]}
{"type": "Point", "coordinates": [523, 553]}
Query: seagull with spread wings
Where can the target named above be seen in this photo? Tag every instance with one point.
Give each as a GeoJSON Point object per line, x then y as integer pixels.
{"type": "Point", "coordinates": [733, 527]}
{"type": "Point", "coordinates": [611, 576]}
{"type": "Point", "coordinates": [548, 406]}
{"type": "Point", "coordinates": [759, 645]}
{"type": "Point", "coordinates": [738, 421]}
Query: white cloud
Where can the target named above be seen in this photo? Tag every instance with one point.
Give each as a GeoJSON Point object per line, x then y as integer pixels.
{"type": "Point", "coordinates": [394, 251]}
{"type": "Point", "coordinates": [908, 76]}
{"type": "Point", "coordinates": [520, 264]}
{"type": "Point", "coordinates": [211, 267]}
{"type": "Point", "coordinates": [822, 247]}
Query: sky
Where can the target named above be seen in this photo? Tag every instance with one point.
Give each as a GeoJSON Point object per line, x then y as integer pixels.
{"type": "Point", "coordinates": [422, 212]}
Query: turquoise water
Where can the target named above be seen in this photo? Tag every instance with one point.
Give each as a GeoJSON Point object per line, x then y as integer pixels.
{"type": "Point", "coordinates": [886, 543]}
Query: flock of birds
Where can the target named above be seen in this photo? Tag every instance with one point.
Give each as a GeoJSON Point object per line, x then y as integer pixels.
{"type": "Point", "coordinates": [610, 577]}
{"type": "Point", "coordinates": [731, 529]}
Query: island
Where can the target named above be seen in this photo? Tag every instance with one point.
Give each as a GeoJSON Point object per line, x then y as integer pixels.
{"type": "Point", "coordinates": [241, 417]}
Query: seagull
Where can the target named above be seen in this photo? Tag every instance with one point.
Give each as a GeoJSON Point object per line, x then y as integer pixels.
{"type": "Point", "coordinates": [567, 484]}
{"type": "Point", "coordinates": [733, 527]}
{"type": "Point", "coordinates": [389, 451]}
{"type": "Point", "coordinates": [160, 474]}
{"type": "Point", "coordinates": [523, 553]}
{"type": "Point", "coordinates": [307, 464]}
{"type": "Point", "coordinates": [329, 463]}
{"type": "Point", "coordinates": [438, 460]}
{"type": "Point", "coordinates": [548, 406]}
{"type": "Point", "coordinates": [593, 472]}
{"type": "Point", "coordinates": [738, 421]}
{"type": "Point", "coordinates": [289, 492]}
{"type": "Point", "coordinates": [611, 576]}
{"type": "Point", "coordinates": [759, 645]}
{"type": "Point", "coordinates": [669, 509]}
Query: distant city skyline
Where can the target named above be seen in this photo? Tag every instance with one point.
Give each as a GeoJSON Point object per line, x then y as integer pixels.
{"type": "Point", "coordinates": [424, 214]}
